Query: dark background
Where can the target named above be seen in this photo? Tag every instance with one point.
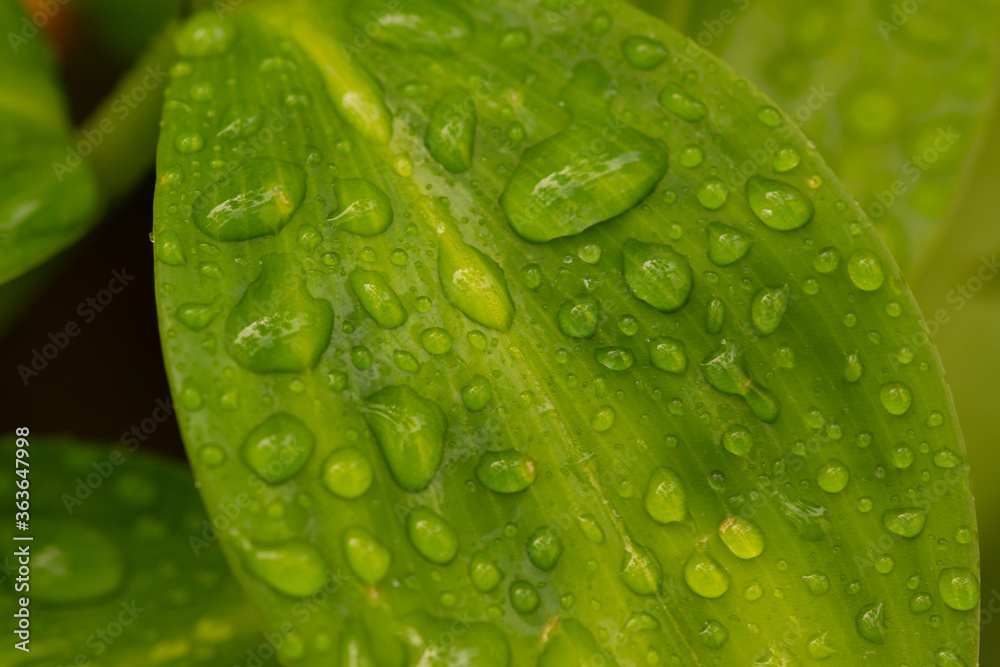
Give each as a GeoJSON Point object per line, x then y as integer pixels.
{"type": "Point", "coordinates": [108, 378]}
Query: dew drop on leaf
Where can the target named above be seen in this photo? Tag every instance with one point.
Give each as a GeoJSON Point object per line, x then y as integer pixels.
{"type": "Point", "coordinates": [508, 471]}
{"type": "Point", "coordinates": [705, 576]}
{"type": "Point", "coordinates": [644, 53]}
{"type": "Point", "coordinates": [278, 448]}
{"type": "Point", "coordinates": [294, 569]}
{"type": "Point", "coordinates": [777, 204]}
{"type": "Point", "coordinates": [657, 274]}
{"type": "Point", "coordinates": [362, 208]}
{"type": "Point", "coordinates": [410, 432]}
{"type": "Point", "coordinates": [347, 473]}
{"type": "Point", "coordinates": [665, 499]}
{"type": "Point", "coordinates": [367, 558]}
{"type": "Point", "coordinates": [432, 536]}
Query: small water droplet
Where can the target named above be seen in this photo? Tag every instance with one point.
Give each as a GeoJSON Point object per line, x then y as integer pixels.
{"type": "Point", "coordinates": [726, 244]}
{"type": "Point", "coordinates": [644, 53]}
{"type": "Point", "coordinates": [347, 473]}
{"type": "Point", "coordinates": [366, 556]}
{"type": "Point", "coordinates": [665, 499]}
{"type": "Point", "coordinates": [870, 623]}
{"type": "Point", "coordinates": [578, 317]}
{"type": "Point", "coordinates": [743, 537]}
{"type": "Point", "coordinates": [641, 571]}
{"type": "Point", "coordinates": [705, 576]}
{"type": "Point", "coordinates": [905, 522]}
{"type": "Point", "coordinates": [507, 471]}
{"type": "Point", "coordinates": [777, 204]}
{"type": "Point", "coordinates": [865, 269]}
{"type": "Point", "coordinates": [432, 536]}
{"type": "Point", "coordinates": [657, 274]}
{"type": "Point", "coordinates": [896, 398]}
{"type": "Point", "coordinates": [675, 100]}
{"type": "Point", "coordinates": [278, 447]}
{"type": "Point", "coordinates": [544, 548]}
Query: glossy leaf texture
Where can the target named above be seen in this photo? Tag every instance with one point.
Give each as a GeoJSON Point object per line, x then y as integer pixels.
{"type": "Point", "coordinates": [557, 374]}
{"type": "Point", "coordinates": [48, 196]}
{"type": "Point", "coordinates": [125, 567]}
{"type": "Point", "coordinates": [896, 95]}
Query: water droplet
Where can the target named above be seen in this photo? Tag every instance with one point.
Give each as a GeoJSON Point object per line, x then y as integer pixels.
{"type": "Point", "coordinates": [436, 341]}
{"type": "Point", "coordinates": [817, 582]}
{"type": "Point", "coordinates": [410, 432]}
{"type": "Point", "coordinates": [896, 398]}
{"type": "Point", "coordinates": [73, 563]}
{"type": "Point", "coordinates": [590, 253]}
{"type": "Point", "coordinates": [668, 355]}
{"type": "Point", "coordinates": [743, 537]}
{"type": "Point", "coordinates": [777, 204]}
{"type": "Point", "coordinates": [853, 370]}
{"type": "Point", "coordinates": [278, 447]}
{"type": "Point", "coordinates": [197, 316]}
{"type": "Point", "coordinates": [168, 249]}
{"type": "Point", "coordinates": [524, 597]}
{"type": "Point", "coordinates": [591, 528]}
{"type": "Point", "coordinates": [578, 317]}
{"type": "Point", "coordinates": [600, 24]}
{"type": "Point", "coordinates": [347, 473]}
{"type": "Point", "coordinates": [905, 522]}
{"type": "Point", "coordinates": [362, 357]}
{"type": "Point", "coordinates": [474, 284]}
{"type": "Point", "coordinates": [476, 394]}
{"type": "Point", "coordinates": [211, 455]}
{"type": "Point", "coordinates": [658, 275]}
{"type": "Point", "coordinates": [205, 34]}
{"type": "Point", "coordinates": [436, 27]}
{"type": "Point", "coordinates": [603, 419]}
{"type": "Point", "coordinates": [483, 572]}
{"type": "Point", "coordinates": [544, 547]}
{"type": "Point", "coordinates": [713, 634]}
{"type": "Point", "coordinates": [865, 269]}
{"type": "Point", "coordinates": [705, 576]}
{"type": "Point", "coordinates": [362, 208]}
{"type": "Point", "coordinates": [724, 371]}
{"type": "Point", "coordinates": [644, 53]}
{"type": "Point", "coordinates": [241, 119]}
{"type": "Point", "coordinates": [785, 158]}
{"type": "Point", "coordinates": [451, 131]}
{"type": "Point", "coordinates": [768, 309]}
{"type": "Point", "coordinates": [675, 100]}
{"type": "Point", "coordinates": [405, 361]}
{"type": "Point", "coordinates": [278, 326]}
{"type": "Point", "coordinates": [712, 193]}
{"type": "Point", "coordinates": [615, 358]}
{"type": "Point", "coordinates": [691, 156]}
{"type": "Point", "coordinates": [432, 536]}
{"type": "Point", "coordinates": [514, 39]}
{"type": "Point", "coordinates": [819, 646]}
{"type": "Point", "coordinates": [726, 244]}
{"type": "Point", "coordinates": [737, 440]}
{"type": "Point", "coordinates": [508, 471]}
{"type": "Point", "coordinates": [870, 623]}
{"type": "Point", "coordinates": [377, 297]}
{"type": "Point", "coordinates": [257, 200]}
{"type": "Point", "coordinates": [368, 559]}
{"type": "Point", "coordinates": [531, 276]}
{"type": "Point", "coordinates": [833, 477]}
{"type": "Point", "coordinates": [641, 571]}
{"type": "Point", "coordinates": [666, 500]}
{"type": "Point", "coordinates": [560, 186]}
{"type": "Point", "coordinates": [959, 588]}
{"type": "Point", "coordinates": [294, 568]}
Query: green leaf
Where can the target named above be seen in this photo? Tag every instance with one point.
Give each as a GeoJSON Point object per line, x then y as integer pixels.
{"type": "Point", "coordinates": [48, 198]}
{"type": "Point", "coordinates": [751, 460]}
{"type": "Point", "coordinates": [124, 565]}
{"type": "Point", "coordinates": [897, 96]}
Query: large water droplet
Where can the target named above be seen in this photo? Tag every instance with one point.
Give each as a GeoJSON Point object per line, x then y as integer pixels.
{"type": "Point", "coordinates": [377, 297]}
{"type": "Point", "coordinates": [777, 204]}
{"type": "Point", "coordinates": [905, 521]}
{"type": "Point", "coordinates": [865, 269]}
{"type": "Point", "coordinates": [369, 560]}
{"type": "Point", "coordinates": [615, 358]}
{"type": "Point", "coordinates": [278, 447]}
{"type": "Point", "coordinates": [474, 284]}
{"type": "Point", "coordinates": [483, 572]}
{"type": "Point", "coordinates": [870, 623]}
{"type": "Point", "coordinates": [508, 471]}
{"type": "Point", "coordinates": [724, 371]}
{"type": "Point", "coordinates": [705, 576]}
{"type": "Point", "coordinates": [644, 53]}
{"type": "Point", "coordinates": [205, 34]}
{"type": "Point", "coordinates": [347, 473]}
{"type": "Point", "coordinates": [295, 569]}
{"type": "Point", "coordinates": [726, 244]}
{"type": "Point", "coordinates": [578, 317]}
{"type": "Point", "coordinates": [668, 354]}
{"type": "Point", "coordinates": [675, 100]}
{"type": "Point", "coordinates": [278, 326]}
{"type": "Point", "coordinates": [743, 537]}
{"type": "Point", "coordinates": [641, 571]}
{"type": "Point", "coordinates": [432, 536]}
{"type": "Point", "coordinates": [833, 476]}
{"type": "Point", "coordinates": [410, 432]}
{"type": "Point", "coordinates": [437, 27]}
{"type": "Point", "coordinates": [959, 588]}
{"type": "Point", "coordinates": [72, 562]}
{"type": "Point", "coordinates": [451, 131]}
{"type": "Point", "coordinates": [768, 308]}
{"type": "Point", "coordinates": [657, 274]}
{"type": "Point", "coordinates": [476, 394]}
{"type": "Point", "coordinates": [737, 440]}
{"type": "Point", "coordinates": [544, 548]}
{"type": "Point", "coordinates": [896, 398]}
{"type": "Point", "coordinates": [257, 200]}
{"type": "Point", "coordinates": [563, 185]}
{"type": "Point", "coordinates": [362, 208]}
{"type": "Point", "coordinates": [666, 500]}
